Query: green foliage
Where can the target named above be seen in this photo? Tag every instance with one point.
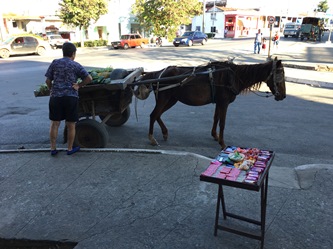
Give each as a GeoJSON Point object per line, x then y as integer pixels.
{"type": "Point", "coordinates": [80, 12]}
{"type": "Point", "coordinates": [322, 6]}
{"type": "Point", "coordinates": [163, 17]}
{"type": "Point", "coordinates": [90, 44]}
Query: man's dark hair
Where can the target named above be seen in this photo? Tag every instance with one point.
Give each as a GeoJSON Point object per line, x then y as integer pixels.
{"type": "Point", "coordinates": [68, 49]}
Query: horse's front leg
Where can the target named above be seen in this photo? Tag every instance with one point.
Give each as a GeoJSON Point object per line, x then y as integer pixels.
{"type": "Point", "coordinates": [164, 129]}
{"type": "Point", "coordinates": [151, 138]}
{"type": "Point", "coordinates": [215, 121]}
{"type": "Point", "coordinates": [222, 113]}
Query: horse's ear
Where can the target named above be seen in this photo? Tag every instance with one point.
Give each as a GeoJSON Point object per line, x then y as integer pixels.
{"type": "Point", "coordinates": [279, 63]}
{"type": "Point", "coordinates": [275, 58]}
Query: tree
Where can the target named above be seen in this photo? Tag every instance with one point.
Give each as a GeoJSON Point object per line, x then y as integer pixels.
{"type": "Point", "coordinates": [322, 6]}
{"type": "Point", "coordinates": [81, 12]}
{"type": "Point", "coordinates": [163, 17]}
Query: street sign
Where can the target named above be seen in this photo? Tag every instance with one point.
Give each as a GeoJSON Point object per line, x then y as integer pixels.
{"type": "Point", "coordinates": [271, 19]}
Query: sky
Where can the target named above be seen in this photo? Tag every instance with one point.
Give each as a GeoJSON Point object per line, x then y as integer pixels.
{"type": "Point", "coordinates": [290, 5]}
{"type": "Point", "coordinates": [29, 7]}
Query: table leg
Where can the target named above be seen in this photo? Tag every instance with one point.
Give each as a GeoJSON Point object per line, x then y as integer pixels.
{"type": "Point", "coordinates": [220, 199]}
{"type": "Point", "coordinates": [263, 209]}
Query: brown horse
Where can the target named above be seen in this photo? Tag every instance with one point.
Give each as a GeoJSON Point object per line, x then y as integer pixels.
{"type": "Point", "coordinates": [217, 82]}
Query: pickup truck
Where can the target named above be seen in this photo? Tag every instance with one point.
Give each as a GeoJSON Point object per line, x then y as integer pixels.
{"type": "Point", "coordinates": [130, 41]}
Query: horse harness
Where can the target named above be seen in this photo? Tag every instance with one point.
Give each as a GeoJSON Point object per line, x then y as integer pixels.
{"type": "Point", "coordinates": [210, 71]}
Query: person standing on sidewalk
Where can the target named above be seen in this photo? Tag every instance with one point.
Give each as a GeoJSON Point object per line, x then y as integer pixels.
{"type": "Point", "coordinates": [257, 41]}
{"type": "Point", "coordinates": [61, 78]}
{"type": "Point", "coordinates": [226, 32]}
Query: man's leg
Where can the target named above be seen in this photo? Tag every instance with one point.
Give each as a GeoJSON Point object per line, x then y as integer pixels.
{"type": "Point", "coordinates": [255, 47]}
{"type": "Point", "coordinates": [259, 45]}
{"type": "Point", "coordinates": [54, 133]}
{"type": "Point", "coordinates": [70, 135]}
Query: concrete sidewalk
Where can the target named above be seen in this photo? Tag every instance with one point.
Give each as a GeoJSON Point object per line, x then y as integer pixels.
{"type": "Point", "coordinates": [117, 198]}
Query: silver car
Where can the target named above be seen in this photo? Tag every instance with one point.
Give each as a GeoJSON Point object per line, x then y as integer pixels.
{"type": "Point", "coordinates": [23, 44]}
{"type": "Point", "coordinates": [56, 41]}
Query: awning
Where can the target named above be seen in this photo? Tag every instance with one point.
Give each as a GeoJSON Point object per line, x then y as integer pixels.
{"type": "Point", "coordinates": [51, 28]}
{"type": "Point", "coordinates": [244, 23]}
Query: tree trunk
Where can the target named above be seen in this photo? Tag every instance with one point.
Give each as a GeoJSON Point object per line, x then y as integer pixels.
{"type": "Point", "coordinates": [81, 34]}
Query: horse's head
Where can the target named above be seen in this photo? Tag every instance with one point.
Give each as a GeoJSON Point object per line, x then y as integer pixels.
{"type": "Point", "coordinates": [150, 81]}
{"type": "Point", "coordinates": [142, 89]}
{"type": "Point", "coordinates": [276, 80]}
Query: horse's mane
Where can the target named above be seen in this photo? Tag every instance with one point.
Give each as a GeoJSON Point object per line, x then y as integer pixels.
{"type": "Point", "coordinates": [247, 77]}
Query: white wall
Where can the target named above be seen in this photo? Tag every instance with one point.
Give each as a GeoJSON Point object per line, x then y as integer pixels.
{"type": "Point", "coordinates": [218, 23]}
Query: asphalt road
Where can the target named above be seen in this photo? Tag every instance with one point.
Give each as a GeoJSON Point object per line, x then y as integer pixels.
{"type": "Point", "coordinates": [298, 127]}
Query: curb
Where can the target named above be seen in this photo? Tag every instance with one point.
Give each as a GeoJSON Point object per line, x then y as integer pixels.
{"type": "Point", "coordinates": [306, 174]}
{"type": "Point", "coordinates": [300, 66]}
{"type": "Point", "coordinates": [319, 68]}
{"type": "Point", "coordinates": [123, 150]}
{"type": "Point", "coordinates": [313, 83]}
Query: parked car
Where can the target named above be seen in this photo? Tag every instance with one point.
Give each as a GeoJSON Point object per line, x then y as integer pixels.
{"type": "Point", "coordinates": [189, 38]}
{"type": "Point", "coordinates": [292, 29]}
{"type": "Point", "coordinates": [130, 41]}
{"type": "Point", "coordinates": [56, 41]}
{"type": "Point", "coordinates": [23, 44]}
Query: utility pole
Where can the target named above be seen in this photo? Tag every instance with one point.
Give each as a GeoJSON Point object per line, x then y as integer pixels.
{"type": "Point", "coordinates": [203, 15]}
{"type": "Point", "coordinates": [1, 27]}
{"type": "Point", "coordinates": [329, 34]}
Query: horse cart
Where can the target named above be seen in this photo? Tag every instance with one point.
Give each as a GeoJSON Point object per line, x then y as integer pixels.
{"type": "Point", "coordinates": [108, 101]}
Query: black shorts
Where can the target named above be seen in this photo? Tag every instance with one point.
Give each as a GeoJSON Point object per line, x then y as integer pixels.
{"type": "Point", "coordinates": [63, 108]}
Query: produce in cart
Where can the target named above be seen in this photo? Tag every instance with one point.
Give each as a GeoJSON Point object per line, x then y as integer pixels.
{"type": "Point", "coordinates": [99, 76]}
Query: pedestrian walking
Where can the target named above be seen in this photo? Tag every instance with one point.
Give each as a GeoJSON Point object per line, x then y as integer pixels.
{"type": "Point", "coordinates": [61, 78]}
{"type": "Point", "coordinates": [257, 41]}
{"type": "Point", "coordinates": [264, 45]}
{"type": "Point", "coordinates": [226, 32]}
{"type": "Point", "coordinates": [276, 39]}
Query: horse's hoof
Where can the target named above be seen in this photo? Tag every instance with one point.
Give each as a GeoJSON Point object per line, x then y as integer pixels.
{"type": "Point", "coordinates": [215, 136]}
{"type": "Point", "coordinates": [223, 146]}
{"type": "Point", "coordinates": [153, 141]}
{"type": "Point", "coordinates": [165, 137]}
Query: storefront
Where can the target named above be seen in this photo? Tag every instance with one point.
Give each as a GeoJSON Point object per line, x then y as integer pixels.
{"type": "Point", "coordinates": [241, 25]}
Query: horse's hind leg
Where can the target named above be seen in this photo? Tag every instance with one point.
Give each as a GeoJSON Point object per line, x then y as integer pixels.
{"type": "Point", "coordinates": [215, 122]}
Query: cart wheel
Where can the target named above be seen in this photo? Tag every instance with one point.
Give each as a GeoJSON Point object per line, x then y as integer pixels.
{"type": "Point", "coordinates": [118, 119]}
{"type": "Point", "coordinates": [118, 73]}
{"type": "Point", "coordinates": [91, 134]}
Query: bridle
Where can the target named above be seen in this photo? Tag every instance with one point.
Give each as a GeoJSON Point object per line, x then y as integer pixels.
{"type": "Point", "coordinates": [276, 80]}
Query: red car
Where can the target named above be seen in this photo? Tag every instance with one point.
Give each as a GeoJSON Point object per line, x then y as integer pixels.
{"type": "Point", "coordinates": [130, 41]}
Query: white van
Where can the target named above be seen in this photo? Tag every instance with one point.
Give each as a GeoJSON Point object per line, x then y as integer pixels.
{"type": "Point", "coordinates": [291, 29]}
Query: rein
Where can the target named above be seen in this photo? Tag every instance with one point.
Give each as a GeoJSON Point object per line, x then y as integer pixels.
{"type": "Point", "coordinates": [185, 78]}
{"type": "Point", "coordinates": [258, 93]}
{"type": "Point", "coordinates": [273, 73]}
{"type": "Point", "coordinates": [269, 94]}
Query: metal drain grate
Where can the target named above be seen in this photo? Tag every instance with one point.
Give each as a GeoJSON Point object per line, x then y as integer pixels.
{"type": "Point", "coordinates": [35, 244]}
